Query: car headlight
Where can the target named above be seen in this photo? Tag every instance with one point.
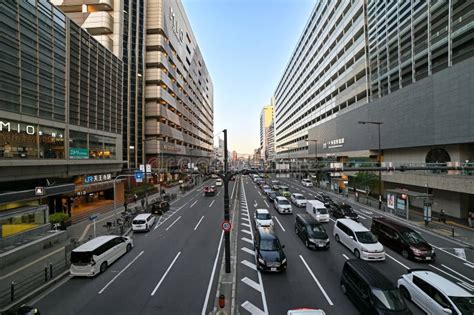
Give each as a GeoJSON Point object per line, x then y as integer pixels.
{"type": "Point", "coordinates": [365, 250]}
{"type": "Point", "coordinates": [283, 261]}
{"type": "Point", "coordinates": [260, 260]}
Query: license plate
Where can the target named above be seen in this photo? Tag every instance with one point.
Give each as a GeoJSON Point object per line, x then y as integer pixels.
{"type": "Point", "coordinates": [428, 258]}
{"type": "Point", "coordinates": [273, 269]}
{"type": "Point", "coordinates": [321, 245]}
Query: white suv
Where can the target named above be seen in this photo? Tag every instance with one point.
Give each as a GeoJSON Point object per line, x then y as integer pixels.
{"type": "Point", "coordinates": [435, 294]}
{"type": "Point", "coordinates": [262, 218]}
{"type": "Point", "coordinates": [306, 182]}
{"type": "Point", "coordinates": [282, 205]}
{"type": "Point", "coordinates": [358, 239]}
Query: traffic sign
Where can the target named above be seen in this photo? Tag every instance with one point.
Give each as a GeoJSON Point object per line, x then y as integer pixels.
{"type": "Point", "coordinates": [138, 176]}
{"type": "Point", "coordinates": [93, 217]}
{"type": "Point", "coordinates": [226, 226]}
{"type": "Point", "coordinates": [39, 191]}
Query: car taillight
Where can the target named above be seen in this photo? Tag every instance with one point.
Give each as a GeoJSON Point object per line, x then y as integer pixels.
{"type": "Point", "coordinates": [92, 262]}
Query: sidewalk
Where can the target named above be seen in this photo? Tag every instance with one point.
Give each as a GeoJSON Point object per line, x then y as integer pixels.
{"type": "Point", "coordinates": [29, 273]}
{"type": "Point", "coordinates": [450, 229]}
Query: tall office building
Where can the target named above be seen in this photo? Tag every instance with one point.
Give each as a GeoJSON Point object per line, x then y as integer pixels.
{"type": "Point", "coordinates": [60, 117]}
{"type": "Point", "coordinates": [266, 120]}
{"type": "Point", "coordinates": [119, 25]}
{"type": "Point", "coordinates": [326, 76]}
{"type": "Point", "coordinates": [179, 108]}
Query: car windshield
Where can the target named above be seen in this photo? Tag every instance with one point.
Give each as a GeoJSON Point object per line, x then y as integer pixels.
{"type": "Point", "coordinates": [366, 237]}
{"type": "Point", "coordinates": [263, 216]}
{"type": "Point", "coordinates": [389, 300]}
{"type": "Point", "coordinates": [283, 188]}
{"type": "Point", "coordinates": [322, 210]}
{"type": "Point", "coordinates": [299, 197]}
{"type": "Point", "coordinates": [464, 303]}
{"type": "Point", "coordinates": [413, 237]}
{"type": "Point", "coordinates": [283, 202]}
{"type": "Point", "coordinates": [272, 194]}
{"type": "Point", "coordinates": [269, 245]}
{"type": "Point", "coordinates": [316, 231]}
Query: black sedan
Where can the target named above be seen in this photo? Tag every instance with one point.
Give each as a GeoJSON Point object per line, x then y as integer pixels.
{"type": "Point", "coordinates": [343, 210]}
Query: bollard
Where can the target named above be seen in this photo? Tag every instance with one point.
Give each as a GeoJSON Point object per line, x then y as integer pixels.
{"type": "Point", "coordinates": [221, 301]}
{"type": "Point", "coordinates": [50, 271]}
{"type": "Point", "coordinates": [12, 291]}
{"type": "Point", "coordinates": [45, 274]}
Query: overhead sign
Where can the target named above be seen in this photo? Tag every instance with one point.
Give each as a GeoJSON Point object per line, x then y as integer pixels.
{"type": "Point", "coordinates": [93, 217]}
{"type": "Point", "coordinates": [89, 179]}
{"type": "Point", "coordinates": [226, 226]}
{"type": "Point", "coordinates": [148, 168]}
{"type": "Point", "coordinates": [39, 191]}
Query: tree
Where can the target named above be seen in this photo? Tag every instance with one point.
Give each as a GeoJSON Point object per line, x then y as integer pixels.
{"type": "Point", "coordinates": [365, 180]}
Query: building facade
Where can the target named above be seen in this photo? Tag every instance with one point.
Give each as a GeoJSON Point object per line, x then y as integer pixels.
{"type": "Point", "coordinates": [421, 64]}
{"type": "Point", "coordinates": [119, 25]}
{"type": "Point", "coordinates": [60, 116]}
{"type": "Point", "coordinates": [179, 109]}
{"type": "Point", "coordinates": [327, 74]}
{"type": "Point", "coordinates": [266, 121]}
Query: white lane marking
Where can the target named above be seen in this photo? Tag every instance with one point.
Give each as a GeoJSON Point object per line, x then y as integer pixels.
{"type": "Point", "coordinates": [164, 275]}
{"type": "Point", "coordinates": [447, 273]}
{"type": "Point", "coordinates": [361, 216]}
{"type": "Point", "coordinates": [245, 224]}
{"type": "Point", "coordinates": [466, 286]}
{"type": "Point", "coordinates": [332, 220]}
{"type": "Point", "coordinates": [206, 300]}
{"type": "Point", "coordinates": [252, 309]}
{"type": "Point", "coordinates": [193, 204]}
{"type": "Point", "coordinates": [218, 194]}
{"type": "Point", "coordinates": [345, 256]}
{"type": "Point", "coordinates": [461, 275]}
{"type": "Point", "coordinates": [252, 284]}
{"type": "Point", "coordinates": [117, 275]}
{"type": "Point", "coordinates": [445, 251]}
{"type": "Point", "coordinates": [403, 265]}
{"type": "Point", "coordinates": [246, 231]}
{"type": "Point", "coordinates": [255, 204]}
{"type": "Point", "coordinates": [246, 219]}
{"type": "Point", "coordinates": [249, 264]}
{"type": "Point", "coordinates": [157, 224]}
{"type": "Point", "coordinates": [195, 228]}
{"type": "Point", "coordinates": [210, 205]}
{"type": "Point", "coordinates": [469, 265]}
{"type": "Point", "coordinates": [173, 223]}
{"type": "Point", "coordinates": [247, 250]}
{"type": "Point", "coordinates": [278, 221]}
{"type": "Point", "coordinates": [316, 280]}
{"type": "Point", "coordinates": [266, 203]}
{"type": "Point", "coordinates": [247, 240]}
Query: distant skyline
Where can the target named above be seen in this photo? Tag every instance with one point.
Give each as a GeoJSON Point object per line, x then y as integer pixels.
{"type": "Point", "coordinates": [246, 45]}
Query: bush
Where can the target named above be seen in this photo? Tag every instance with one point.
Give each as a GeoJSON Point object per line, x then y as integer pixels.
{"type": "Point", "coordinates": [58, 217]}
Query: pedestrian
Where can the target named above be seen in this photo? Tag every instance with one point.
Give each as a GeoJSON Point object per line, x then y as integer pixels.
{"type": "Point", "coordinates": [143, 203]}
{"type": "Point", "coordinates": [470, 218]}
{"type": "Point", "coordinates": [125, 204]}
{"type": "Point", "coordinates": [442, 216]}
{"type": "Point", "coordinates": [163, 191]}
{"type": "Point", "coordinates": [135, 197]}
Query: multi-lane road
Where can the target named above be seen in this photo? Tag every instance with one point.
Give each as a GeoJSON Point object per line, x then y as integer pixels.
{"type": "Point", "coordinates": [168, 271]}
{"type": "Point", "coordinates": [313, 277]}
{"type": "Point", "coordinates": [174, 268]}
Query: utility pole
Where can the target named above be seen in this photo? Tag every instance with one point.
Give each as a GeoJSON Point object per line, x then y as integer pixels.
{"type": "Point", "coordinates": [226, 207]}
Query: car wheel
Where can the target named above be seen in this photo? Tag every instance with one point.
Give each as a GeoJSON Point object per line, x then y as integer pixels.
{"type": "Point", "coordinates": [103, 267]}
{"type": "Point", "coordinates": [405, 254]}
{"type": "Point", "coordinates": [405, 293]}
{"type": "Point", "coordinates": [129, 247]}
{"type": "Point", "coordinates": [343, 288]}
{"type": "Point", "coordinates": [357, 253]}
{"type": "Point", "coordinates": [337, 238]}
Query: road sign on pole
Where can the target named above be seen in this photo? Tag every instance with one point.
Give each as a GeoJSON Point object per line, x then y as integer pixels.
{"type": "Point", "coordinates": [138, 176]}
{"type": "Point", "coordinates": [92, 218]}
{"type": "Point", "coordinates": [226, 226]}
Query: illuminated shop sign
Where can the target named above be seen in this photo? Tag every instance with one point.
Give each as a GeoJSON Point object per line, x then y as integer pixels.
{"type": "Point", "coordinates": [17, 127]}
{"type": "Point", "coordinates": [89, 179]}
{"type": "Point", "coordinates": [336, 143]}
{"type": "Point", "coordinates": [177, 30]}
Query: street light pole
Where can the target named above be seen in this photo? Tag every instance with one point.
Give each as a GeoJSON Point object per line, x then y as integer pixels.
{"type": "Point", "coordinates": [379, 158]}
{"type": "Point", "coordinates": [226, 207]}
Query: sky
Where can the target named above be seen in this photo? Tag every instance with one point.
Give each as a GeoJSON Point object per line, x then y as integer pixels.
{"type": "Point", "coordinates": [246, 45]}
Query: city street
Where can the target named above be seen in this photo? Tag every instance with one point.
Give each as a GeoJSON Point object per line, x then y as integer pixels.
{"type": "Point", "coordinates": [167, 272]}
{"type": "Point", "coordinates": [313, 277]}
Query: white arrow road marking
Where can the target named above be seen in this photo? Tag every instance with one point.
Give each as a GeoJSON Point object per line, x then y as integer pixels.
{"type": "Point", "coordinates": [255, 204]}
{"type": "Point", "coordinates": [247, 250]}
{"type": "Point", "coordinates": [249, 264]}
{"type": "Point", "coordinates": [316, 280]}
{"type": "Point", "coordinates": [164, 276]}
{"type": "Point", "coordinates": [117, 275]}
{"type": "Point", "coordinates": [252, 309]}
{"type": "Point", "coordinates": [252, 284]}
{"type": "Point", "coordinates": [247, 240]}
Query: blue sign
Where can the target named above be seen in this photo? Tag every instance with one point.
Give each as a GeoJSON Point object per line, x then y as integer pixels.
{"type": "Point", "coordinates": [93, 217]}
{"type": "Point", "coordinates": [139, 176]}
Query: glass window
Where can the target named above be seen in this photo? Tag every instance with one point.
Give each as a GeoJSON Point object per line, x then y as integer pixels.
{"type": "Point", "coordinates": [96, 147]}
{"type": "Point", "coordinates": [51, 143]}
{"type": "Point", "coordinates": [18, 140]}
{"type": "Point", "coordinates": [389, 300]}
{"type": "Point", "coordinates": [109, 148]}
{"type": "Point", "coordinates": [78, 145]}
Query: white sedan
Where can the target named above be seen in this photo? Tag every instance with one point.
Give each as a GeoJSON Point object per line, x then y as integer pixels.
{"type": "Point", "coordinates": [306, 182]}
{"type": "Point", "coordinates": [219, 182]}
{"type": "Point", "coordinates": [298, 200]}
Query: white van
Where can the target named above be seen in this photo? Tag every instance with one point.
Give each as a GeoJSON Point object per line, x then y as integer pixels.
{"type": "Point", "coordinates": [317, 210]}
{"type": "Point", "coordinates": [358, 239]}
{"type": "Point", "coordinates": [143, 222]}
{"type": "Point", "coordinates": [96, 255]}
